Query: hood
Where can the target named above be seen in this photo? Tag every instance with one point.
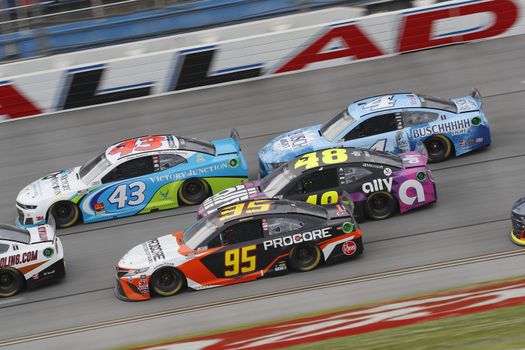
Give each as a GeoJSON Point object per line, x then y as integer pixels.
{"type": "Point", "coordinates": [61, 184]}
{"type": "Point", "coordinates": [519, 207]}
{"type": "Point", "coordinates": [249, 190]}
{"type": "Point", "coordinates": [153, 252]}
{"type": "Point", "coordinates": [293, 143]}
{"type": "Point", "coordinates": [466, 104]}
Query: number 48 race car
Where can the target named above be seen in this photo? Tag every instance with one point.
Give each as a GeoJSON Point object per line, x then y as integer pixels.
{"type": "Point", "coordinates": [240, 243]}
{"type": "Point", "coordinates": [132, 177]}
{"type": "Point", "coordinates": [29, 258]}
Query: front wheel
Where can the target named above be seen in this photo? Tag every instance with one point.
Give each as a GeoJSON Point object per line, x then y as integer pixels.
{"type": "Point", "coordinates": [380, 205]}
{"type": "Point", "coordinates": [194, 191]}
{"type": "Point", "coordinates": [305, 257]}
{"type": "Point", "coordinates": [66, 214]}
{"type": "Point", "coordinates": [167, 281]}
{"type": "Point", "coordinates": [438, 148]}
{"type": "Point", "coordinates": [11, 282]}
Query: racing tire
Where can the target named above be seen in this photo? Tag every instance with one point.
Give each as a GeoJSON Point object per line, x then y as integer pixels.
{"type": "Point", "coordinates": [380, 205]}
{"type": "Point", "coordinates": [305, 257]}
{"type": "Point", "coordinates": [167, 281]}
{"type": "Point", "coordinates": [194, 191]}
{"type": "Point", "coordinates": [438, 147]}
{"type": "Point", "coordinates": [66, 214]}
{"type": "Point", "coordinates": [11, 282]}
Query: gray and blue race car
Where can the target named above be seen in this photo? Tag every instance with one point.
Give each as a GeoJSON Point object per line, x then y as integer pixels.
{"type": "Point", "coordinates": [395, 123]}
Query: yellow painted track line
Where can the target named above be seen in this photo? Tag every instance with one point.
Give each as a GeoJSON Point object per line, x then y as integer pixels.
{"type": "Point", "coordinates": [322, 285]}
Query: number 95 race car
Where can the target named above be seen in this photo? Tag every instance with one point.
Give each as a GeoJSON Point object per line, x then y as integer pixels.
{"type": "Point", "coordinates": [132, 177]}
{"type": "Point", "coordinates": [240, 243]}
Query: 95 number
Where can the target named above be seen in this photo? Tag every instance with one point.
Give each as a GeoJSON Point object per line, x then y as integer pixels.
{"type": "Point", "coordinates": [240, 260]}
{"type": "Point", "coordinates": [247, 207]}
{"type": "Point", "coordinates": [328, 156]}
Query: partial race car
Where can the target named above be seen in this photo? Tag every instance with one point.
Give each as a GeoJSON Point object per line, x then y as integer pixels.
{"type": "Point", "coordinates": [379, 183]}
{"type": "Point", "coordinates": [517, 235]}
{"type": "Point", "coordinates": [394, 123]}
{"type": "Point", "coordinates": [132, 177]}
{"type": "Point", "coordinates": [29, 258]}
{"type": "Point", "coordinates": [240, 243]}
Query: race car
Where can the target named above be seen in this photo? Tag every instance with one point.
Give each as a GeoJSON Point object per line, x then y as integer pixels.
{"type": "Point", "coordinates": [379, 183]}
{"type": "Point", "coordinates": [394, 123]}
{"type": "Point", "coordinates": [240, 243]}
{"type": "Point", "coordinates": [517, 235]}
{"type": "Point", "coordinates": [135, 176]}
{"type": "Point", "coordinates": [29, 257]}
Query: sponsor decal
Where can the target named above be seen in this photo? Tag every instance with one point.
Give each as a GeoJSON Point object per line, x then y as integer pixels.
{"type": "Point", "coordinates": [372, 165]}
{"type": "Point", "coordinates": [387, 171]}
{"type": "Point", "coordinates": [188, 173]}
{"type": "Point", "coordinates": [48, 273]}
{"type": "Point", "coordinates": [294, 141]}
{"type": "Point", "coordinates": [479, 140]}
{"type": "Point", "coordinates": [378, 185]}
{"type": "Point", "coordinates": [164, 194]}
{"type": "Point", "coordinates": [99, 206]}
{"type": "Point", "coordinates": [39, 218]}
{"type": "Point", "coordinates": [48, 252]}
{"type": "Point", "coordinates": [36, 276]}
{"type": "Point", "coordinates": [233, 163]}
{"type": "Point", "coordinates": [412, 186]}
{"type": "Point", "coordinates": [199, 158]}
{"type": "Point", "coordinates": [153, 250]}
{"type": "Point", "coordinates": [18, 259]}
{"type": "Point", "coordinates": [297, 238]}
{"type": "Point", "coordinates": [42, 233]}
{"type": "Point", "coordinates": [349, 248]}
{"type": "Point", "coordinates": [280, 266]}
{"type": "Point", "coordinates": [455, 127]}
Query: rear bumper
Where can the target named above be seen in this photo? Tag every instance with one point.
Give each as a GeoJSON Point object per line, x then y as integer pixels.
{"type": "Point", "coordinates": [50, 274]}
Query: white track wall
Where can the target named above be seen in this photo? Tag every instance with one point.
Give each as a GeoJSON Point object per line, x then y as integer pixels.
{"type": "Point", "coordinates": [264, 55]}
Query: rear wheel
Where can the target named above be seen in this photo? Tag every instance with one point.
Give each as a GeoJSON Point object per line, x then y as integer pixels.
{"type": "Point", "coordinates": [438, 147]}
{"type": "Point", "coordinates": [167, 281]}
{"type": "Point", "coordinates": [305, 257]}
{"type": "Point", "coordinates": [380, 205]}
{"type": "Point", "coordinates": [66, 214]}
{"type": "Point", "coordinates": [194, 191]}
{"type": "Point", "coordinates": [11, 282]}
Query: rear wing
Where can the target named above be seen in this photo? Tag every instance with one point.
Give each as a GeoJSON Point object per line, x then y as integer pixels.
{"type": "Point", "coordinates": [475, 94]}
{"type": "Point", "coordinates": [344, 207]}
{"type": "Point", "coordinates": [234, 134]}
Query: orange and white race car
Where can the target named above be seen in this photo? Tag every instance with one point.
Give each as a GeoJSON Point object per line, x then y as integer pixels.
{"type": "Point", "coordinates": [29, 257]}
{"type": "Point", "coordinates": [239, 243]}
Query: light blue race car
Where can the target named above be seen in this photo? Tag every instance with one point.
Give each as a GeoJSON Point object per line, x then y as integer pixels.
{"type": "Point", "coordinates": [397, 123]}
{"type": "Point", "coordinates": [135, 176]}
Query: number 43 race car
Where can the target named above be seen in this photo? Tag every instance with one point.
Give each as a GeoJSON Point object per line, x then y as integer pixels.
{"type": "Point", "coordinates": [240, 243]}
{"type": "Point", "coordinates": [135, 176]}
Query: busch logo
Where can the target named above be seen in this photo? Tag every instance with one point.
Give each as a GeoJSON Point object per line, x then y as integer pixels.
{"type": "Point", "coordinates": [454, 127]}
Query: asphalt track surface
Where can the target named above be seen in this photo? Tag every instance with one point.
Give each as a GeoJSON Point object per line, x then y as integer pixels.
{"type": "Point", "coordinates": [470, 219]}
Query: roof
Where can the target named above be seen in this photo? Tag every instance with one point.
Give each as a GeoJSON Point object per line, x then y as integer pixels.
{"type": "Point", "coordinates": [353, 155]}
{"type": "Point", "coordinates": [276, 206]}
{"type": "Point", "coordinates": [369, 105]}
{"type": "Point", "coordinates": [140, 145]}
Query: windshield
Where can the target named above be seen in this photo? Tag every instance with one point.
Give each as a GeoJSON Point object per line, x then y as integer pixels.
{"type": "Point", "coordinates": [93, 168]}
{"type": "Point", "coordinates": [335, 126]}
{"type": "Point", "coordinates": [196, 145]}
{"type": "Point", "coordinates": [438, 103]}
{"type": "Point", "coordinates": [276, 181]}
{"type": "Point", "coordinates": [11, 233]}
{"type": "Point", "coordinates": [197, 233]}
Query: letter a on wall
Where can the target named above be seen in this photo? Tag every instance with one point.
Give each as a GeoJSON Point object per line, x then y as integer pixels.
{"type": "Point", "coordinates": [14, 104]}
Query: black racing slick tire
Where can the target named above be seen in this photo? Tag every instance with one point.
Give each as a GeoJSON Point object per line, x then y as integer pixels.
{"type": "Point", "coordinates": [66, 214]}
{"type": "Point", "coordinates": [167, 281]}
{"type": "Point", "coordinates": [305, 257]}
{"type": "Point", "coordinates": [438, 148]}
{"type": "Point", "coordinates": [380, 205]}
{"type": "Point", "coordinates": [194, 191]}
{"type": "Point", "coordinates": [11, 282]}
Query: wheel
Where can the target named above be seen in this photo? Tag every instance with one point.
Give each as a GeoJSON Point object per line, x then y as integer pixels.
{"type": "Point", "coordinates": [305, 257]}
{"type": "Point", "coordinates": [194, 191]}
{"type": "Point", "coordinates": [11, 282]}
{"type": "Point", "coordinates": [66, 214]}
{"type": "Point", "coordinates": [438, 147]}
{"type": "Point", "coordinates": [380, 205]}
{"type": "Point", "coordinates": [167, 281]}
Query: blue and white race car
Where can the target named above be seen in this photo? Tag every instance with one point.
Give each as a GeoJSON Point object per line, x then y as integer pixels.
{"type": "Point", "coordinates": [134, 176]}
{"type": "Point", "coordinates": [394, 123]}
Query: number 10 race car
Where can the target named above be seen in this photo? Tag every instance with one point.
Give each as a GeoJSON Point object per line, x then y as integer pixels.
{"type": "Point", "coordinates": [134, 176]}
{"type": "Point", "coordinates": [29, 258]}
{"type": "Point", "coordinates": [240, 243]}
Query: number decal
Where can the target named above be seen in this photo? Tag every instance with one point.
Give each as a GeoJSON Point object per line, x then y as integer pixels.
{"type": "Point", "coordinates": [246, 263]}
{"type": "Point", "coordinates": [148, 143]}
{"type": "Point", "coordinates": [136, 197]}
{"type": "Point", "coordinates": [411, 159]}
{"type": "Point", "coordinates": [379, 145]}
{"type": "Point", "coordinates": [380, 103]}
{"type": "Point", "coordinates": [248, 207]}
{"type": "Point", "coordinates": [308, 160]}
{"type": "Point", "coordinates": [328, 156]}
{"type": "Point", "coordinates": [330, 197]}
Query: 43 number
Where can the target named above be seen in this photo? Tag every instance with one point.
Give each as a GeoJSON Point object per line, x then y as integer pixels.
{"type": "Point", "coordinates": [136, 195]}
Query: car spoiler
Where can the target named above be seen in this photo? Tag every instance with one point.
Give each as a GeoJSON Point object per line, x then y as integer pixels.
{"type": "Point", "coordinates": [475, 94]}
{"type": "Point", "coordinates": [234, 134]}
{"type": "Point", "coordinates": [343, 208]}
